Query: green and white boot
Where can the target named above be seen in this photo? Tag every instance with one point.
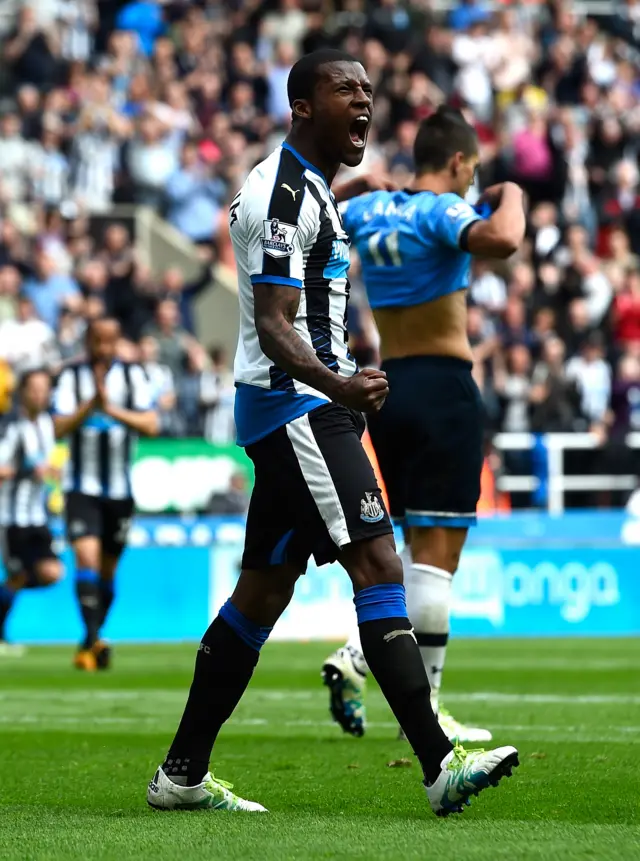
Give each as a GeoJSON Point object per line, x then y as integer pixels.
{"type": "Point", "coordinates": [211, 794]}
{"type": "Point", "coordinates": [344, 675]}
{"type": "Point", "coordinates": [466, 773]}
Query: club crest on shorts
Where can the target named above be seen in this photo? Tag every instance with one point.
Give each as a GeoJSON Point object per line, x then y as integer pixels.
{"type": "Point", "coordinates": [277, 239]}
{"type": "Point", "coordinates": [370, 509]}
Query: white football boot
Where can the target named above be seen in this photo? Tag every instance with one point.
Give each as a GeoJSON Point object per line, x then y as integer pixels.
{"type": "Point", "coordinates": [346, 683]}
{"type": "Point", "coordinates": [212, 794]}
{"type": "Point", "coordinates": [466, 773]}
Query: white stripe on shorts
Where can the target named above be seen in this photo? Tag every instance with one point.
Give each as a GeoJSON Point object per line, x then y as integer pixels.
{"type": "Point", "coordinates": [318, 479]}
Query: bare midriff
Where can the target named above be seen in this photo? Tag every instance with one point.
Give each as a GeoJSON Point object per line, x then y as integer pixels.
{"type": "Point", "coordinates": [437, 328]}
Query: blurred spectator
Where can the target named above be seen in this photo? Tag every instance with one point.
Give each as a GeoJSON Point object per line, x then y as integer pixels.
{"type": "Point", "coordinates": [194, 197]}
{"type": "Point", "coordinates": [217, 394]}
{"type": "Point", "coordinates": [592, 376]}
{"type": "Point", "coordinates": [9, 288]}
{"type": "Point", "coordinates": [32, 50]}
{"type": "Point", "coordinates": [554, 396]}
{"type": "Point", "coordinates": [151, 160]}
{"type": "Point", "coordinates": [27, 342]}
{"type": "Point", "coordinates": [162, 385]}
{"type": "Point", "coordinates": [513, 386]}
{"type": "Point", "coordinates": [16, 159]}
{"type": "Point", "coordinates": [188, 390]}
{"type": "Point", "coordinates": [626, 311]}
{"type": "Point", "coordinates": [235, 500]}
{"type": "Point", "coordinates": [173, 341]}
{"type": "Point", "coordinates": [487, 288]}
{"type": "Point", "coordinates": [173, 287]}
{"type": "Point", "coordinates": [50, 290]}
{"type": "Point", "coordinates": [625, 398]}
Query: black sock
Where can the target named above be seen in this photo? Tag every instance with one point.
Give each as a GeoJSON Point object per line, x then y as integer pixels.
{"type": "Point", "coordinates": [88, 594]}
{"type": "Point", "coordinates": [107, 594]}
{"type": "Point", "coordinates": [225, 662]}
{"type": "Point", "coordinates": [7, 597]}
{"type": "Point", "coordinates": [391, 650]}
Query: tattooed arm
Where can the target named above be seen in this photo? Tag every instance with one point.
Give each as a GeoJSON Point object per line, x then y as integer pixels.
{"type": "Point", "coordinates": [275, 309]}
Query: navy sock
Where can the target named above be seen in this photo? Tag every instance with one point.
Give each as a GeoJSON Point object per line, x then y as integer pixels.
{"type": "Point", "coordinates": [88, 594]}
{"type": "Point", "coordinates": [225, 662]}
{"type": "Point", "coordinates": [390, 648]}
{"type": "Point", "coordinates": [107, 594]}
{"type": "Point", "coordinates": [7, 597]}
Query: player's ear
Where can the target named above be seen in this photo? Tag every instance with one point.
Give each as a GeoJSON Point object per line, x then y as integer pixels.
{"type": "Point", "coordinates": [456, 163]}
{"type": "Point", "coordinates": [301, 109]}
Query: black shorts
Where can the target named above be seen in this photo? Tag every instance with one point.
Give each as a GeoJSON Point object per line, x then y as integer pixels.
{"type": "Point", "coordinates": [106, 519]}
{"type": "Point", "coordinates": [315, 491]}
{"type": "Point", "coordinates": [25, 547]}
{"type": "Point", "coordinates": [428, 438]}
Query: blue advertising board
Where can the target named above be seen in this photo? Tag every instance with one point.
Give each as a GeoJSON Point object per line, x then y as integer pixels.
{"type": "Point", "coordinates": [522, 575]}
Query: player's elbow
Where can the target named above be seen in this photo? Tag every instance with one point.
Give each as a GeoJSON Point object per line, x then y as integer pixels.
{"type": "Point", "coordinates": [507, 246]}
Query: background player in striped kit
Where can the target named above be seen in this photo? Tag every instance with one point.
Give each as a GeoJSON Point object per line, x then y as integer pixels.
{"type": "Point", "coordinates": [100, 404]}
{"type": "Point", "coordinates": [415, 247]}
{"type": "Point", "coordinates": [25, 452]}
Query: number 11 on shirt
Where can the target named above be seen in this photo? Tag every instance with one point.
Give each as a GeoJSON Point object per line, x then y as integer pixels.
{"type": "Point", "coordinates": [383, 248]}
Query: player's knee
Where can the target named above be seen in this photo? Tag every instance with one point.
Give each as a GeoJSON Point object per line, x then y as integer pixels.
{"type": "Point", "coordinates": [372, 562]}
{"type": "Point", "coordinates": [437, 546]}
{"type": "Point", "coordinates": [263, 596]}
{"type": "Point", "coordinates": [87, 554]}
{"type": "Point", "coordinates": [49, 572]}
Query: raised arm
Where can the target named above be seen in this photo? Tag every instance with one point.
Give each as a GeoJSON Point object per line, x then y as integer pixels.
{"type": "Point", "coordinates": [68, 413]}
{"type": "Point", "coordinates": [142, 418]}
{"type": "Point", "coordinates": [501, 235]}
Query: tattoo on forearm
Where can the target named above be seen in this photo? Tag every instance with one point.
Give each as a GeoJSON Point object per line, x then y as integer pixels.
{"type": "Point", "coordinates": [275, 311]}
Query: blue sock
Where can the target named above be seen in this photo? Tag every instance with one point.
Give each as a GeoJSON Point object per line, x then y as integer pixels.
{"type": "Point", "coordinates": [87, 575]}
{"type": "Point", "coordinates": [253, 635]}
{"type": "Point", "coordinates": [384, 601]}
{"type": "Point", "coordinates": [88, 594]}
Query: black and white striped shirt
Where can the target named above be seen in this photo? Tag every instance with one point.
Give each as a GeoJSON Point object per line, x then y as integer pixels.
{"type": "Point", "coordinates": [24, 446]}
{"type": "Point", "coordinates": [100, 449]}
{"type": "Point", "coordinates": [286, 231]}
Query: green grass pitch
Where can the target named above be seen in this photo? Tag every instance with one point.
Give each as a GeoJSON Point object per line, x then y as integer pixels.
{"type": "Point", "coordinates": [77, 752]}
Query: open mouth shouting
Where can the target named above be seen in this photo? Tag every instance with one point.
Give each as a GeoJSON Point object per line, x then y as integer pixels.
{"type": "Point", "coordinates": [358, 130]}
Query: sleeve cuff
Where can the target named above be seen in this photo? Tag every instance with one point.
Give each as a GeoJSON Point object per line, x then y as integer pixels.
{"type": "Point", "coordinates": [277, 279]}
{"type": "Point", "coordinates": [463, 234]}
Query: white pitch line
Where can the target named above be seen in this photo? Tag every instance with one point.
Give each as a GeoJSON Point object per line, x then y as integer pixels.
{"type": "Point", "coordinates": [557, 732]}
{"type": "Point", "coordinates": [161, 694]}
{"type": "Point", "coordinates": [560, 699]}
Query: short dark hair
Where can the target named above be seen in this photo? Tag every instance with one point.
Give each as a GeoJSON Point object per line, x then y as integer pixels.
{"type": "Point", "coordinates": [102, 318]}
{"type": "Point", "coordinates": [304, 74]}
{"type": "Point", "coordinates": [440, 137]}
{"type": "Point", "coordinates": [33, 372]}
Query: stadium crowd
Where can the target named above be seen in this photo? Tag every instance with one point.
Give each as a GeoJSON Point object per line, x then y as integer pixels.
{"type": "Point", "coordinates": [169, 104]}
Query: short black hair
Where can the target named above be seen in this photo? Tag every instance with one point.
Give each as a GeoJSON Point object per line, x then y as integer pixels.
{"type": "Point", "coordinates": [304, 74]}
{"type": "Point", "coordinates": [32, 372]}
{"type": "Point", "coordinates": [440, 137]}
{"type": "Point", "coordinates": [101, 318]}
